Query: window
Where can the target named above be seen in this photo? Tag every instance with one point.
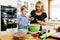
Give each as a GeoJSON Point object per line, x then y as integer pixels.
{"type": "Point", "coordinates": [55, 10]}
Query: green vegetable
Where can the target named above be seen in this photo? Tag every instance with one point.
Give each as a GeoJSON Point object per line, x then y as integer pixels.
{"type": "Point", "coordinates": [48, 34]}
{"type": "Point", "coordinates": [34, 27]}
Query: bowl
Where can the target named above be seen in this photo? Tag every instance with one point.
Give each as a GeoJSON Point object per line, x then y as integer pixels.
{"type": "Point", "coordinates": [34, 27]}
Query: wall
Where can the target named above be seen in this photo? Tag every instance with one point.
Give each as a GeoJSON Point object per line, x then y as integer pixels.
{"type": "Point", "coordinates": [30, 8]}
{"type": "Point", "coordinates": [55, 10]}
{"type": "Point", "coordinates": [9, 2]}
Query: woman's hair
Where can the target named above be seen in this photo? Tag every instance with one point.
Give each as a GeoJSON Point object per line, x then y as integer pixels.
{"type": "Point", "coordinates": [23, 7]}
{"type": "Point", "coordinates": [39, 2]}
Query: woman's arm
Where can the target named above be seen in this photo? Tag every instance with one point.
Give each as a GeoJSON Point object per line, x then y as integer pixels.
{"type": "Point", "coordinates": [44, 22]}
{"type": "Point", "coordinates": [45, 19]}
{"type": "Point", "coordinates": [30, 17]}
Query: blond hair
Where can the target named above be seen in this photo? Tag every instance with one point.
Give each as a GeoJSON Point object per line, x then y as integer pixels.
{"type": "Point", "coordinates": [23, 7]}
{"type": "Point", "coordinates": [42, 9]}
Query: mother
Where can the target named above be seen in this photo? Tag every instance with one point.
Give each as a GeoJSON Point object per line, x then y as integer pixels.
{"type": "Point", "coordinates": [38, 14]}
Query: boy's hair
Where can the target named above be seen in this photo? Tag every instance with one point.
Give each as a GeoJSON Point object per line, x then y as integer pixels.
{"type": "Point", "coordinates": [24, 6]}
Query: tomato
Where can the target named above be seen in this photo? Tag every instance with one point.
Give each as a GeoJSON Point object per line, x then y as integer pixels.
{"type": "Point", "coordinates": [35, 35]}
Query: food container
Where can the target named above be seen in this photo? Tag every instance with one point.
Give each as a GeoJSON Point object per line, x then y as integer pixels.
{"type": "Point", "coordinates": [58, 28]}
{"type": "Point", "coordinates": [34, 27]}
{"type": "Point", "coordinates": [18, 36]}
{"type": "Point", "coordinates": [23, 30]}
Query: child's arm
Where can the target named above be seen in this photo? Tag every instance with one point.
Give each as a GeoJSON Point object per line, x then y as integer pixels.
{"type": "Point", "coordinates": [18, 20]}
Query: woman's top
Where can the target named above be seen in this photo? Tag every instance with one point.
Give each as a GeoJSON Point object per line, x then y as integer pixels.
{"type": "Point", "coordinates": [38, 17]}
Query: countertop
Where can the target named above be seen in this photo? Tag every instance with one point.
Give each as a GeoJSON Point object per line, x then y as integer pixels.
{"type": "Point", "coordinates": [10, 37]}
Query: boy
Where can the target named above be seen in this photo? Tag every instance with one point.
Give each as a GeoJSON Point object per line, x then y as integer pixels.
{"type": "Point", "coordinates": [22, 19]}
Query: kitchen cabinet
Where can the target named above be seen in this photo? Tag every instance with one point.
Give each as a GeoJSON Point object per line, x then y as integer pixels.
{"type": "Point", "coordinates": [8, 14]}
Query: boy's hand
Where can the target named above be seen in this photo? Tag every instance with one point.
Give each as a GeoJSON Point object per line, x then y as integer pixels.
{"type": "Point", "coordinates": [18, 22]}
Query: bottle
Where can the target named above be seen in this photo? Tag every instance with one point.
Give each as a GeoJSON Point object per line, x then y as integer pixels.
{"type": "Point", "coordinates": [41, 28]}
{"type": "Point", "coordinates": [12, 30]}
{"type": "Point", "coordinates": [40, 33]}
{"type": "Point", "coordinates": [44, 38]}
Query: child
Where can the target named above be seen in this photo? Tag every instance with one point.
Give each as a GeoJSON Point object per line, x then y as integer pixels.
{"type": "Point", "coordinates": [22, 19]}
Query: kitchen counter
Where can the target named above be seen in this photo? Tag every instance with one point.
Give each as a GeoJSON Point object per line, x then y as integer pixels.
{"type": "Point", "coordinates": [10, 37]}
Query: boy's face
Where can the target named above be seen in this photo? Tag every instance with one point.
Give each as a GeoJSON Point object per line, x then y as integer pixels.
{"type": "Point", "coordinates": [24, 11]}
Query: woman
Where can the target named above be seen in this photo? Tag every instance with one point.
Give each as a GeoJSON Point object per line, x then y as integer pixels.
{"type": "Point", "coordinates": [38, 15]}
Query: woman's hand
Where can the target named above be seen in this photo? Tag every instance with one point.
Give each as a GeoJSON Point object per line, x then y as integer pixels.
{"type": "Point", "coordinates": [32, 18]}
{"type": "Point", "coordinates": [41, 22]}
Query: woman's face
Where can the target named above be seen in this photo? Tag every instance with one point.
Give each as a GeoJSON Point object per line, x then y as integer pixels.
{"type": "Point", "coordinates": [38, 7]}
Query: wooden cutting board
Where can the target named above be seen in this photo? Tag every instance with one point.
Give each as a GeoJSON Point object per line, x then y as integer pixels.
{"type": "Point", "coordinates": [10, 37]}
{"type": "Point", "coordinates": [6, 37]}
